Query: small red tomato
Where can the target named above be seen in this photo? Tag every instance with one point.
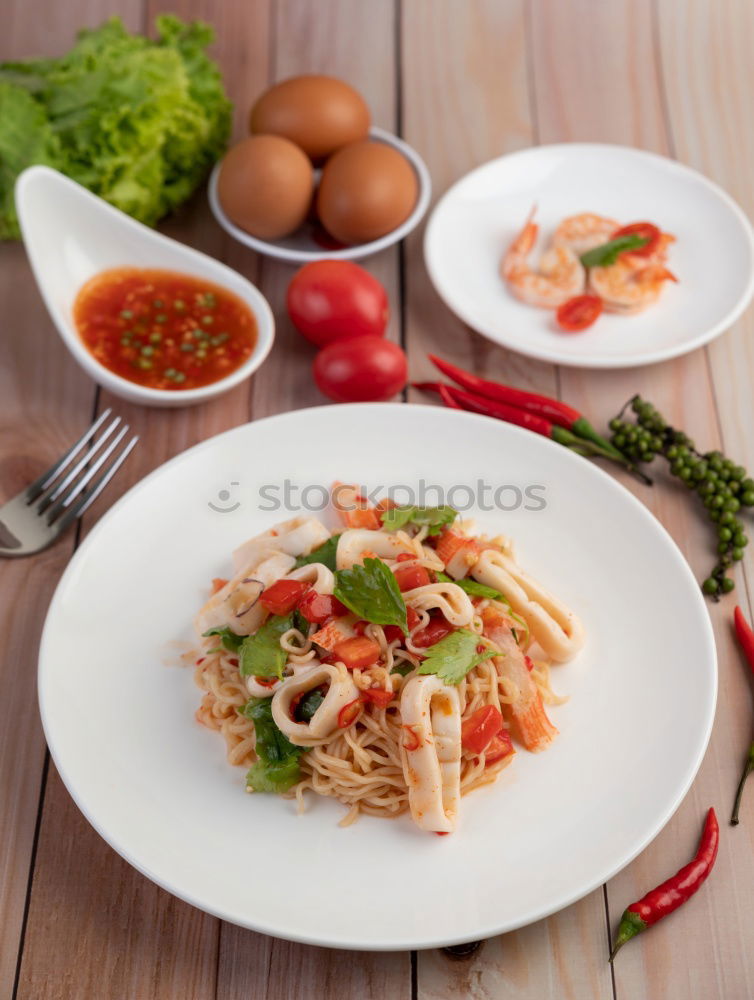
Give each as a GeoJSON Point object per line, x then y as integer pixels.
{"type": "Point", "coordinates": [647, 231]}
{"type": "Point", "coordinates": [330, 300]}
{"type": "Point", "coordinates": [363, 369]}
{"type": "Point", "coordinates": [578, 313]}
{"type": "Point", "coordinates": [377, 696]}
{"type": "Point", "coordinates": [499, 746]}
{"type": "Point", "coordinates": [393, 632]}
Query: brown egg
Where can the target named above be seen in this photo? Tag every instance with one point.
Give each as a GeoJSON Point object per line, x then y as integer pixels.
{"type": "Point", "coordinates": [265, 186]}
{"type": "Point", "coordinates": [366, 190]}
{"type": "Point", "coordinates": [319, 113]}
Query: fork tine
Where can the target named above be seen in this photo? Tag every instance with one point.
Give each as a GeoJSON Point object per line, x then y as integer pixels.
{"type": "Point", "coordinates": [48, 477]}
{"type": "Point", "coordinates": [70, 476]}
{"type": "Point", "coordinates": [78, 486]}
{"type": "Point", "coordinates": [97, 487]}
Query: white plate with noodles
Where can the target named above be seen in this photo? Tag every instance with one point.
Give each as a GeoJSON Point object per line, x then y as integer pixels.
{"type": "Point", "coordinates": [711, 256]}
{"type": "Point", "coordinates": [586, 581]}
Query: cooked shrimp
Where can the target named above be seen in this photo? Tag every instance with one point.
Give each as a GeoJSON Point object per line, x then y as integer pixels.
{"type": "Point", "coordinates": [560, 274]}
{"type": "Point", "coordinates": [627, 288]}
{"type": "Point", "coordinates": [584, 232]}
{"type": "Point", "coordinates": [528, 714]}
{"type": "Point", "coordinates": [658, 256]}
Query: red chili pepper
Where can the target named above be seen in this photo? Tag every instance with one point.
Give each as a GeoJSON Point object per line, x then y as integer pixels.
{"type": "Point", "coordinates": [413, 740]}
{"type": "Point", "coordinates": [552, 409]}
{"type": "Point", "coordinates": [349, 713]}
{"type": "Point", "coordinates": [745, 636]}
{"type": "Point", "coordinates": [675, 891]}
{"type": "Point", "coordinates": [535, 422]}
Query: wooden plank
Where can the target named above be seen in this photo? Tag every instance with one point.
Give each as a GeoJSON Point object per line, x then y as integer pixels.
{"type": "Point", "coordinates": [145, 941]}
{"type": "Point", "coordinates": [620, 98]}
{"type": "Point", "coordinates": [466, 100]}
{"type": "Point", "coordinates": [313, 37]}
{"type": "Point", "coordinates": [45, 403]}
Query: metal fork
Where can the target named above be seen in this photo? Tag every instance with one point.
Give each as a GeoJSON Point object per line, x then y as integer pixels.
{"type": "Point", "coordinates": [38, 515]}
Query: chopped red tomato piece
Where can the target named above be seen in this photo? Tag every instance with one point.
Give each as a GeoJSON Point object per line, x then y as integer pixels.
{"type": "Point", "coordinates": [529, 662]}
{"type": "Point", "coordinates": [404, 556]}
{"type": "Point", "coordinates": [393, 632]}
{"type": "Point", "coordinates": [478, 731]}
{"type": "Point", "coordinates": [321, 608]}
{"type": "Point", "coordinates": [499, 746]}
{"type": "Point", "coordinates": [349, 713]}
{"type": "Point", "coordinates": [377, 696]}
{"type": "Point", "coordinates": [578, 313]}
{"type": "Point", "coordinates": [358, 652]}
{"type": "Point", "coordinates": [360, 626]}
{"type": "Point", "coordinates": [646, 231]}
{"type": "Point", "coordinates": [283, 596]}
{"type": "Point", "coordinates": [218, 583]}
{"type": "Point", "coordinates": [437, 628]}
{"type": "Point", "coordinates": [411, 577]}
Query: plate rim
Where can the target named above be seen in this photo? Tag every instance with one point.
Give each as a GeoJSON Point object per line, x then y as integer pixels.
{"type": "Point", "coordinates": [596, 361]}
{"type": "Point", "coordinates": [354, 944]}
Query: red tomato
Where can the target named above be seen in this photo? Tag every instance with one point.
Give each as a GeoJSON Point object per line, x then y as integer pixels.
{"type": "Point", "coordinates": [434, 630]}
{"type": "Point", "coordinates": [647, 231]}
{"type": "Point", "coordinates": [320, 608]}
{"type": "Point", "coordinates": [499, 746]}
{"type": "Point", "coordinates": [393, 632]}
{"type": "Point", "coordinates": [358, 652]}
{"type": "Point", "coordinates": [377, 696]}
{"type": "Point", "coordinates": [578, 313]}
{"type": "Point", "coordinates": [349, 713]}
{"type": "Point", "coordinates": [403, 557]}
{"type": "Point", "coordinates": [331, 300]}
{"type": "Point", "coordinates": [480, 728]}
{"type": "Point", "coordinates": [218, 582]}
{"type": "Point", "coordinates": [283, 596]}
{"type": "Point", "coordinates": [362, 369]}
{"type": "Point", "coordinates": [410, 577]}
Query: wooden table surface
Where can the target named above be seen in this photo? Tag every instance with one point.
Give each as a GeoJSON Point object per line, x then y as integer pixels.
{"type": "Point", "coordinates": [463, 81]}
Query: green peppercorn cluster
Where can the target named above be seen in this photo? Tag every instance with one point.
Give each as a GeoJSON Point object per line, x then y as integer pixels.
{"type": "Point", "coordinates": [721, 485]}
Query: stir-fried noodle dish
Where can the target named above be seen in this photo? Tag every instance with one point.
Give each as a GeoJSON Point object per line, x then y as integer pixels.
{"type": "Point", "coordinates": [394, 664]}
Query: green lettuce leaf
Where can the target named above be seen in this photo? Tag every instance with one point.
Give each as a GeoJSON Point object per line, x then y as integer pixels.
{"type": "Point", "coordinates": [277, 766]}
{"type": "Point", "coordinates": [138, 122]}
{"type": "Point", "coordinates": [228, 638]}
{"type": "Point", "coordinates": [260, 654]}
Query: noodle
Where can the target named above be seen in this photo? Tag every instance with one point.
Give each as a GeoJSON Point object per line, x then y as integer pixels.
{"type": "Point", "coordinates": [363, 764]}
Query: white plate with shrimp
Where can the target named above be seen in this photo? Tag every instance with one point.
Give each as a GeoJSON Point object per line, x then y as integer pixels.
{"type": "Point", "coordinates": [119, 708]}
{"type": "Point", "coordinates": [476, 222]}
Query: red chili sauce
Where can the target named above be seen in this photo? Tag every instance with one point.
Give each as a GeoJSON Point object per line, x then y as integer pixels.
{"type": "Point", "coordinates": [162, 329]}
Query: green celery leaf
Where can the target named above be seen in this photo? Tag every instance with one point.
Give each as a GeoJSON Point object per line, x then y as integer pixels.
{"type": "Point", "coordinates": [435, 517]}
{"type": "Point", "coordinates": [454, 656]}
{"type": "Point", "coordinates": [371, 592]}
{"type": "Point", "coordinates": [607, 253]}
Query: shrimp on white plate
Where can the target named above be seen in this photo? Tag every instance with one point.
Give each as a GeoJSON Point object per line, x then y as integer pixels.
{"type": "Point", "coordinates": [584, 232]}
{"type": "Point", "coordinates": [627, 288]}
{"type": "Point", "coordinates": [559, 278]}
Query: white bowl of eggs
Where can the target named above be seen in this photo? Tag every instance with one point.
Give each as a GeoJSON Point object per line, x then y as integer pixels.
{"type": "Point", "coordinates": [314, 181]}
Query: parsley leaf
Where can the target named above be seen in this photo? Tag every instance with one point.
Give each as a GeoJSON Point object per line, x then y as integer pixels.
{"type": "Point", "coordinates": [324, 554]}
{"type": "Point", "coordinates": [435, 517]}
{"type": "Point", "coordinates": [229, 639]}
{"type": "Point", "coordinates": [371, 592]}
{"type": "Point", "coordinates": [607, 253]}
{"type": "Point", "coordinates": [260, 654]}
{"type": "Point", "coordinates": [454, 656]}
{"type": "Point", "coordinates": [475, 588]}
{"type": "Point", "coordinates": [277, 767]}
